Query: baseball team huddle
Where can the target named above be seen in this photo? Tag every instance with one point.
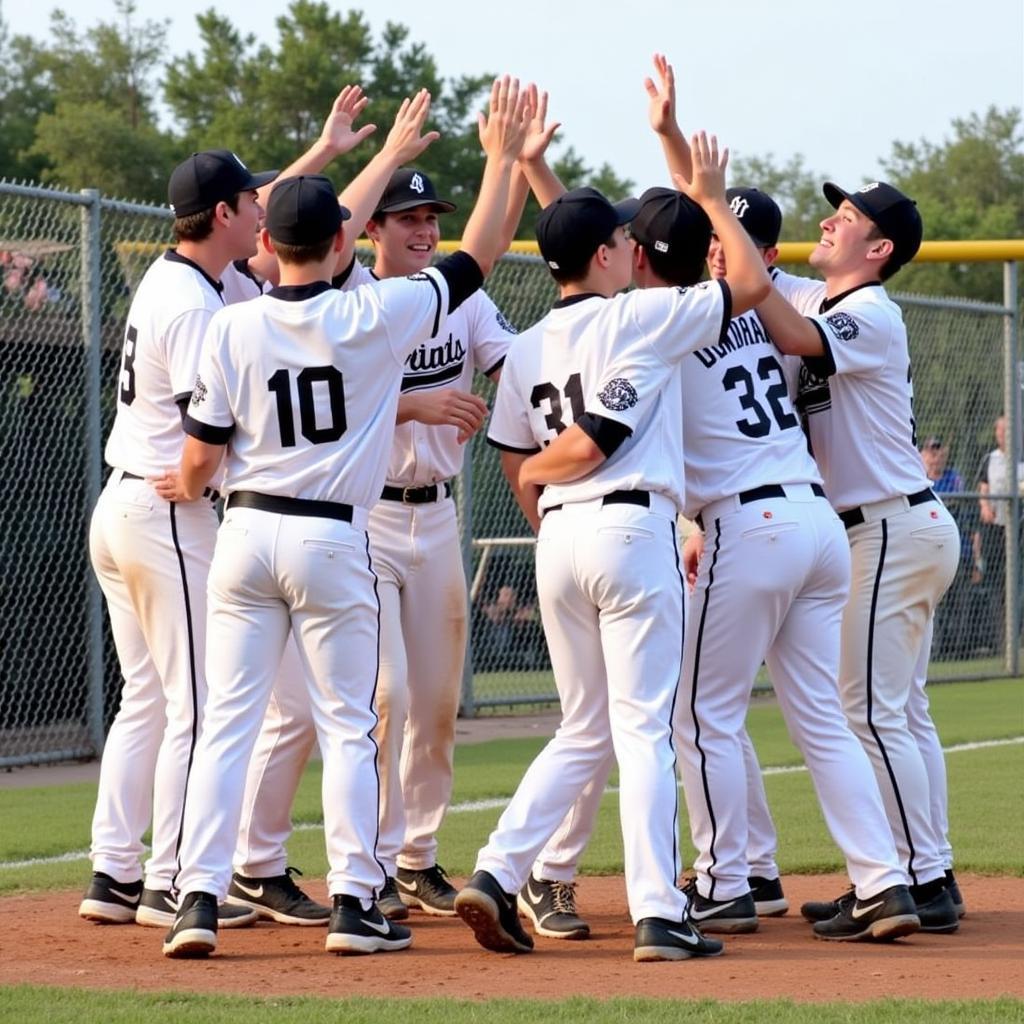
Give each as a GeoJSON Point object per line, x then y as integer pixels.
{"type": "Point", "coordinates": [329, 404]}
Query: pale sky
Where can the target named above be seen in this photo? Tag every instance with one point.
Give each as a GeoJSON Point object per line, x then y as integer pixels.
{"type": "Point", "coordinates": [837, 82]}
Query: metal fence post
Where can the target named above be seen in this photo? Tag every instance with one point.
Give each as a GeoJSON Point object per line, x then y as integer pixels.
{"type": "Point", "coordinates": [1014, 379]}
{"type": "Point", "coordinates": [91, 330]}
{"type": "Point", "coordinates": [467, 701]}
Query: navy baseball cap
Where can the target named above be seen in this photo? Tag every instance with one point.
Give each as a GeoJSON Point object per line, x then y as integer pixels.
{"type": "Point", "coordinates": [671, 223]}
{"type": "Point", "coordinates": [208, 178]}
{"type": "Point", "coordinates": [570, 229]}
{"type": "Point", "coordinates": [758, 213]}
{"type": "Point", "coordinates": [408, 188]}
{"type": "Point", "coordinates": [304, 210]}
{"type": "Point", "coordinates": [895, 215]}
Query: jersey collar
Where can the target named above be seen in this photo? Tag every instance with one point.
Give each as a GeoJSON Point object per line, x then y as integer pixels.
{"type": "Point", "coordinates": [299, 292]}
{"type": "Point", "coordinates": [571, 300]}
{"type": "Point", "coordinates": [827, 304]}
{"type": "Point", "coordinates": [175, 257]}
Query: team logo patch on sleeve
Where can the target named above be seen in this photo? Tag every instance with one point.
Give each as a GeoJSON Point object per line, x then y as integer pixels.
{"type": "Point", "coordinates": [618, 394]}
{"type": "Point", "coordinates": [843, 326]}
{"type": "Point", "coordinates": [503, 322]}
{"type": "Point", "coordinates": [199, 391]}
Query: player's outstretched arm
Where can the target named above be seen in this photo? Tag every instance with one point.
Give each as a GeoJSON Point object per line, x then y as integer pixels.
{"type": "Point", "coordinates": [746, 275]}
{"type": "Point", "coordinates": [502, 132]}
{"type": "Point", "coordinates": [662, 115]}
{"type": "Point", "coordinates": [199, 461]}
{"type": "Point", "coordinates": [532, 163]}
{"type": "Point", "coordinates": [571, 455]}
{"type": "Point", "coordinates": [793, 334]}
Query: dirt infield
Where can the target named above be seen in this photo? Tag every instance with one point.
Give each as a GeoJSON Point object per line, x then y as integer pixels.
{"type": "Point", "coordinates": [52, 946]}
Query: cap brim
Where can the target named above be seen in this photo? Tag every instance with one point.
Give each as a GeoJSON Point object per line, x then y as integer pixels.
{"type": "Point", "coordinates": [438, 204]}
{"type": "Point", "coordinates": [626, 210]}
{"type": "Point", "coordinates": [835, 195]}
{"type": "Point", "coordinates": [259, 180]}
{"type": "Point", "coordinates": [346, 213]}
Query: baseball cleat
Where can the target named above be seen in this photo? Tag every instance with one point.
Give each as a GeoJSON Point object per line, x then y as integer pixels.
{"type": "Point", "coordinates": [428, 889]}
{"type": "Point", "coordinates": [935, 907]}
{"type": "Point", "coordinates": [724, 917]}
{"type": "Point", "coordinates": [659, 939]}
{"type": "Point", "coordinates": [955, 895]}
{"type": "Point", "coordinates": [108, 901]}
{"type": "Point", "coordinates": [769, 899]}
{"type": "Point", "coordinates": [825, 910]}
{"type": "Point", "coordinates": [551, 906]}
{"type": "Point", "coordinates": [491, 913]}
{"type": "Point", "coordinates": [194, 931]}
{"type": "Point", "coordinates": [883, 917]}
{"type": "Point", "coordinates": [277, 898]}
{"type": "Point", "coordinates": [390, 903]}
{"type": "Point", "coordinates": [354, 931]}
{"type": "Point", "coordinates": [158, 909]}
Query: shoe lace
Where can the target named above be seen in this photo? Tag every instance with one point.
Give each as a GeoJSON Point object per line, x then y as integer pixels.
{"type": "Point", "coordinates": [563, 897]}
{"type": "Point", "coordinates": [288, 883]}
{"type": "Point", "coordinates": [435, 878]}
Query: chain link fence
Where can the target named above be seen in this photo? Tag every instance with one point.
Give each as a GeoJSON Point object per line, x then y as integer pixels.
{"type": "Point", "coordinates": [70, 263]}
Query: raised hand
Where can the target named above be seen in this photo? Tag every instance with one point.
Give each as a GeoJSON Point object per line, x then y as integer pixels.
{"type": "Point", "coordinates": [708, 183]}
{"type": "Point", "coordinates": [338, 134]}
{"type": "Point", "coordinates": [406, 140]}
{"type": "Point", "coordinates": [538, 135]}
{"type": "Point", "coordinates": [504, 128]}
{"type": "Point", "coordinates": [662, 108]}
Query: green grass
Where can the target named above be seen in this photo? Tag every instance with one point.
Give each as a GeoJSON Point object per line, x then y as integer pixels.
{"type": "Point", "coordinates": [26, 1004]}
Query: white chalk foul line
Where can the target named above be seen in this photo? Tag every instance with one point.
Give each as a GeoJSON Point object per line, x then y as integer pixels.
{"type": "Point", "coordinates": [497, 803]}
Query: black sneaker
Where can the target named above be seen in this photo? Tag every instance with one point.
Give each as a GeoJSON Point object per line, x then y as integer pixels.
{"type": "Point", "coordinates": [491, 913]}
{"type": "Point", "coordinates": [724, 917]}
{"type": "Point", "coordinates": [158, 909]}
{"type": "Point", "coordinates": [935, 907]}
{"type": "Point", "coordinates": [277, 898]}
{"type": "Point", "coordinates": [551, 906]}
{"type": "Point", "coordinates": [108, 901]}
{"type": "Point", "coordinates": [825, 910]}
{"type": "Point", "coordinates": [769, 899]}
{"type": "Point", "coordinates": [194, 931]}
{"type": "Point", "coordinates": [355, 932]}
{"type": "Point", "coordinates": [658, 939]}
{"type": "Point", "coordinates": [955, 895]}
{"type": "Point", "coordinates": [390, 903]}
{"type": "Point", "coordinates": [881, 918]}
{"type": "Point", "coordinates": [428, 889]}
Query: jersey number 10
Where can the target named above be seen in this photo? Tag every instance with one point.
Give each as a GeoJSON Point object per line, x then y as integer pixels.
{"type": "Point", "coordinates": [281, 387]}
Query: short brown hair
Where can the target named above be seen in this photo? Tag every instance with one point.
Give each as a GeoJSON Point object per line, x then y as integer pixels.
{"type": "Point", "coordinates": [568, 275]}
{"type": "Point", "coordinates": [298, 255]}
{"type": "Point", "coordinates": [197, 227]}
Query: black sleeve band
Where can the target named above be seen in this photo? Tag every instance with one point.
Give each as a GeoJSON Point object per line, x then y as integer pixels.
{"type": "Point", "coordinates": [607, 434]}
{"type": "Point", "coordinates": [825, 364]}
{"type": "Point", "coordinates": [726, 308]}
{"type": "Point", "coordinates": [495, 368]}
{"type": "Point", "coordinates": [339, 280]}
{"type": "Point", "coordinates": [207, 433]}
{"type": "Point", "coordinates": [510, 448]}
{"type": "Point", "coordinates": [463, 275]}
{"type": "Point", "coordinates": [182, 401]}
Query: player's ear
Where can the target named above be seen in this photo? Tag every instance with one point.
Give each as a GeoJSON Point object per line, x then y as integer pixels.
{"type": "Point", "coordinates": [372, 230]}
{"type": "Point", "coordinates": [266, 240]}
{"type": "Point", "coordinates": [339, 238]}
{"type": "Point", "coordinates": [222, 213]}
{"type": "Point", "coordinates": [770, 255]}
{"type": "Point", "coordinates": [881, 249]}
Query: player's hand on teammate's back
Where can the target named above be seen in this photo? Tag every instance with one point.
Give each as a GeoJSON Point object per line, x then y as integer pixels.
{"type": "Point", "coordinates": [168, 486]}
{"type": "Point", "coordinates": [445, 407]}
{"type": "Point", "coordinates": [538, 135]}
{"type": "Point", "coordinates": [406, 140]}
{"type": "Point", "coordinates": [708, 184]}
{"type": "Point", "coordinates": [503, 128]}
{"type": "Point", "coordinates": [339, 135]}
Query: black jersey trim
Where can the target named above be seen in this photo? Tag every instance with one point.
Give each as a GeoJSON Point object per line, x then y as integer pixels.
{"type": "Point", "coordinates": [571, 300]}
{"type": "Point", "coordinates": [512, 448]}
{"type": "Point", "coordinates": [463, 275]}
{"type": "Point", "coordinates": [869, 682]}
{"type": "Point", "coordinates": [825, 364]}
{"type": "Point", "coordinates": [173, 256]}
{"type": "Point", "coordinates": [338, 281]}
{"type": "Point", "coordinates": [299, 292]}
{"type": "Point", "coordinates": [827, 304]}
{"type": "Point", "coordinates": [705, 785]}
{"type": "Point", "coordinates": [495, 368]}
{"type": "Point", "coordinates": [726, 309]}
{"type": "Point", "coordinates": [607, 434]}
{"type": "Point", "coordinates": [243, 268]}
{"type": "Point", "coordinates": [206, 432]}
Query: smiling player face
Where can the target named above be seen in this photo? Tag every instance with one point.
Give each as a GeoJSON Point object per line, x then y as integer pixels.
{"type": "Point", "coordinates": [405, 241]}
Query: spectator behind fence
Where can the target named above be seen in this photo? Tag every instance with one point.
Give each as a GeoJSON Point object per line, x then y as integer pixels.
{"type": "Point", "coordinates": [990, 536]}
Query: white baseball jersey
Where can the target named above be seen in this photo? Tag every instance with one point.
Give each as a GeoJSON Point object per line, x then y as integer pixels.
{"type": "Point", "coordinates": [166, 322]}
{"type": "Point", "coordinates": [239, 283]}
{"type": "Point", "coordinates": [475, 338]}
{"type": "Point", "coordinates": [858, 397]}
{"type": "Point", "coordinates": [552, 368]}
{"type": "Point", "coordinates": [307, 412]}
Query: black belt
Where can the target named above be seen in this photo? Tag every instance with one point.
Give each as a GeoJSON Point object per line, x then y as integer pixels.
{"type": "Point", "coordinates": [855, 516]}
{"type": "Point", "coordinates": [290, 506]}
{"type": "Point", "coordinates": [208, 492]}
{"type": "Point", "coordinates": [416, 495]}
{"type": "Point", "coordinates": [762, 493]}
{"type": "Point", "coordinates": [642, 498]}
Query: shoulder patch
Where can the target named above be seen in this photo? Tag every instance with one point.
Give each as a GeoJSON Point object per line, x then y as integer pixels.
{"type": "Point", "coordinates": [618, 394]}
{"type": "Point", "coordinates": [503, 322]}
{"type": "Point", "coordinates": [843, 326]}
{"type": "Point", "coordinates": [198, 392]}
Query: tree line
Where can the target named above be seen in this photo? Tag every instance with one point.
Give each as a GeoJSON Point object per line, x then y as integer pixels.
{"type": "Point", "coordinates": [105, 106]}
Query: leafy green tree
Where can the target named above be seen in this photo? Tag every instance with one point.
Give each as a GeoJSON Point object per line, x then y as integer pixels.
{"type": "Point", "coordinates": [25, 94]}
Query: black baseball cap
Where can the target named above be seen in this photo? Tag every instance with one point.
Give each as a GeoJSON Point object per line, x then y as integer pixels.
{"type": "Point", "coordinates": [570, 229]}
{"type": "Point", "coordinates": [758, 213]}
{"type": "Point", "coordinates": [304, 210]}
{"type": "Point", "coordinates": [208, 178]}
{"type": "Point", "coordinates": [895, 215]}
{"type": "Point", "coordinates": [408, 188]}
{"type": "Point", "coordinates": [671, 223]}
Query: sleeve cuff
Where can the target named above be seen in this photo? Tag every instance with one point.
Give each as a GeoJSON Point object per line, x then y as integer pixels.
{"type": "Point", "coordinates": [511, 448]}
{"type": "Point", "coordinates": [206, 432]}
{"type": "Point", "coordinates": [607, 434]}
{"type": "Point", "coordinates": [825, 364]}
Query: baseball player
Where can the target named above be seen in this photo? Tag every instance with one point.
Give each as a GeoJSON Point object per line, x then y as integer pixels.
{"type": "Point", "coordinates": [855, 390]}
{"type": "Point", "coordinates": [608, 576]}
{"type": "Point", "coordinates": [150, 553]}
{"type": "Point", "coordinates": [309, 414]}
